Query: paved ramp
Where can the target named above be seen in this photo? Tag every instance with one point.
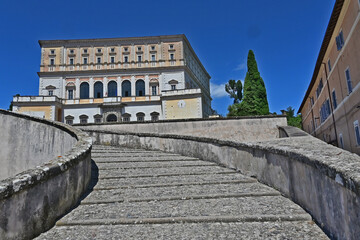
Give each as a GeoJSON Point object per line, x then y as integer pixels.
{"type": "Point", "coordinates": [143, 194]}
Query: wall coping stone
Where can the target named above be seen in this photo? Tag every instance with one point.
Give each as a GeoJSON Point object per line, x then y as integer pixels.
{"type": "Point", "coordinates": [53, 167]}
{"type": "Point", "coordinates": [185, 120]}
{"type": "Point", "coordinates": [305, 149]}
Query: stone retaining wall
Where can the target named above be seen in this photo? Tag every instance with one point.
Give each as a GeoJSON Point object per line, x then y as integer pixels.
{"type": "Point", "coordinates": [46, 167]}
{"type": "Point", "coordinates": [323, 179]}
{"type": "Point", "coordinates": [236, 129]}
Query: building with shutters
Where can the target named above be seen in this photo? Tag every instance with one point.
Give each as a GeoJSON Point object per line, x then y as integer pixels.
{"type": "Point", "coordinates": [331, 106]}
{"type": "Point", "coordinates": [119, 79]}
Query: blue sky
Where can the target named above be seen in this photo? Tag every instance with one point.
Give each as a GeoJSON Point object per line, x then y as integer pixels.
{"type": "Point", "coordinates": [285, 35]}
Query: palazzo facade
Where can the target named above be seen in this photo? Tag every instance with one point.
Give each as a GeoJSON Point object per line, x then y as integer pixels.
{"type": "Point", "coordinates": [331, 106]}
{"type": "Point", "coordinates": [119, 79]}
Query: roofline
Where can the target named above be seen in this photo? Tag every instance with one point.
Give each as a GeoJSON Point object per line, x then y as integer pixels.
{"type": "Point", "coordinates": [62, 41]}
{"type": "Point", "coordinates": [324, 46]}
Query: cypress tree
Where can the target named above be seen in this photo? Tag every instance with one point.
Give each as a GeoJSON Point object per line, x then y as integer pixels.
{"type": "Point", "coordinates": [255, 99]}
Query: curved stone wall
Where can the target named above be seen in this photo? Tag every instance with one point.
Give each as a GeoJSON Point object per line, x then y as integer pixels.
{"type": "Point", "coordinates": [45, 168]}
{"type": "Point", "coordinates": [234, 129]}
{"type": "Point", "coordinates": [323, 179]}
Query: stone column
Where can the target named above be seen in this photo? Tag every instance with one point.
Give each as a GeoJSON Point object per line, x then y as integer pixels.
{"type": "Point", "coordinates": [118, 81]}
{"type": "Point", "coordinates": [133, 89]}
{"type": "Point", "coordinates": [91, 88]}
{"type": "Point", "coordinates": [147, 85]}
{"type": "Point", "coordinates": [77, 88]}
{"type": "Point", "coordinates": [105, 87]}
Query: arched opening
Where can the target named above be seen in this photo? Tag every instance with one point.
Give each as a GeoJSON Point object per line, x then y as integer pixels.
{"type": "Point", "coordinates": [126, 88]}
{"type": "Point", "coordinates": [112, 89]}
{"type": "Point", "coordinates": [111, 118]}
{"type": "Point", "coordinates": [84, 90]}
{"type": "Point", "coordinates": [140, 88]}
{"type": "Point", "coordinates": [98, 90]}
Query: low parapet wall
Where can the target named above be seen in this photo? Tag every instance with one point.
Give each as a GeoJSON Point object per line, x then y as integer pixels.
{"type": "Point", "coordinates": [236, 129]}
{"type": "Point", "coordinates": [45, 166]}
{"type": "Point", "coordinates": [323, 179]}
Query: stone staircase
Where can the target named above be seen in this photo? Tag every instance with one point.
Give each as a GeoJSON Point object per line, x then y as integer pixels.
{"type": "Point", "coordinates": [139, 194]}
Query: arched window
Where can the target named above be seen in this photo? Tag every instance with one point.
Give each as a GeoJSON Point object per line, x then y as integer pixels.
{"type": "Point", "coordinates": [83, 119]}
{"type": "Point", "coordinates": [140, 116]}
{"type": "Point", "coordinates": [140, 88]}
{"type": "Point", "coordinates": [84, 90]}
{"type": "Point", "coordinates": [98, 90]}
{"type": "Point", "coordinates": [111, 118]}
{"type": "Point", "coordinates": [112, 89]}
{"type": "Point", "coordinates": [126, 88]}
{"type": "Point", "coordinates": [154, 116]}
{"type": "Point", "coordinates": [126, 117]}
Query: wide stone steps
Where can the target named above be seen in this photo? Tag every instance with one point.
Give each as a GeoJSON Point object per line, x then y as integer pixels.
{"type": "Point", "coordinates": [140, 194]}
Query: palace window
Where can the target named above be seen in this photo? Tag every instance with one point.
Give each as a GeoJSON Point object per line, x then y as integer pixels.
{"type": "Point", "coordinates": [69, 121]}
{"type": "Point", "coordinates": [325, 110]}
{"type": "Point", "coordinates": [139, 48]}
{"type": "Point", "coordinates": [112, 89]}
{"type": "Point", "coordinates": [71, 51]}
{"type": "Point", "coordinates": [171, 46]}
{"type": "Point", "coordinates": [334, 99]}
{"type": "Point", "coordinates": [348, 80]}
{"type": "Point", "coordinates": [126, 49]}
{"type": "Point", "coordinates": [140, 88]}
{"type": "Point", "coordinates": [99, 50]}
{"type": "Point", "coordinates": [85, 60]}
{"type": "Point", "coordinates": [98, 60]}
{"type": "Point", "coordinates": [71, 61]}
{"type": "Point", "coordinates": [139, 58]}
{"type": "Point", "coordinates": [140, 117]}
{"type": "Point", "coordinates": [112, 50]}
{"type": "Point", "coordinates": [126, 59]}
{"type": "Point", "coordinates": [83, 119]}
{"type": "Point", "coordinates": [98, 90]}
{"type": "Point", "coordinates": [70, 94]}
{"type": "Point", "coordinates": [340, 41]}
{"type": "Point", "coordinates": [173, 87]}
{"type": "Point", "coordinates": [152, 48]}
{"type": "Point", "coordinates": [51, 92]}
{"type": "Point", "coordinates": [171, 56]}
{"type": "Point", "coordinates": [126, 88]}
{"type": "Point", "coordinates": [52, 61]}
{"type": "Point", "coordinates": [153, 90]}
{"type": "Point", "coordinates": [85, 51]}
{"type": "Point", "coordinates": [319, 88]}
{"type": "Point", "coordinates": [154, 116]}
{"type": "Point", "coordinates": [112, 59]}
{"type": "Point", "coordinates": [111, 118]}
{"type": "Point", "coordinates": [357, 132]}
{"type": "Point", "coordinates": [153, 57]}
{"type": "Point", "coordinates": [84, 90]}
{"type": "Point", "coordinates": [126, 117]}
{"type": "Point", "coordinates": [52, 51]}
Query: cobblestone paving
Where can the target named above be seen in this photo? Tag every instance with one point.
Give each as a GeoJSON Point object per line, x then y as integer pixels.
{"type": "Point", "coordinates": [139, 194]}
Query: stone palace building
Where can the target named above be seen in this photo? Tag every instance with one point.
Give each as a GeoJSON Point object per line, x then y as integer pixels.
{"type": "Point", "coordinates": [119, 79]}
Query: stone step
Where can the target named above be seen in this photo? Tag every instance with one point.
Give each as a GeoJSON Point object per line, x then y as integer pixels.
{"type": "Point", "coordinates": [140, 159]}
{"type": "Point", "coordinates": [134, 154]}
{"type": "Point", "coordinates": [201, 231]}
{"type": "Point", "coordinates": [182, 192]}
{"type": "Point", "coordinates": [237, 206]}
{"type": "Point", "coordinates": [179, 179]}
{"type": "Point", "coordinates": [154, 164]}
{"type": "Point", "coordinates": [162, 171]}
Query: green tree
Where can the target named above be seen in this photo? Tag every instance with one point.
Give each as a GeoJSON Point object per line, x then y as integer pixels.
{"type": "Point", "coordinates": [234, 89]}
{"type": "Point", "coordinates": [255, 98]}
{"type": "Point", "coordinates": [293, 120]}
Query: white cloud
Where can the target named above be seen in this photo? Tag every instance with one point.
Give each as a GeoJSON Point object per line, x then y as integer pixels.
{"type": "Point", "coordinates": [217, 91]}
{"type": "Point", "coordinates": [241, 66]}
